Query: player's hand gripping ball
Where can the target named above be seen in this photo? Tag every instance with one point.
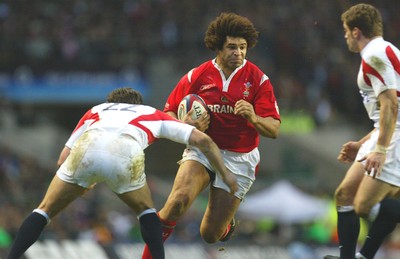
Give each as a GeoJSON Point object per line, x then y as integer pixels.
{"type": "Point", "coordinates": [192, 101]}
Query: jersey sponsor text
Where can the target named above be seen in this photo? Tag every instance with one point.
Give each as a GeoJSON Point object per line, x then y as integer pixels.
{"type": "Point", "coordinates": [217, 108]}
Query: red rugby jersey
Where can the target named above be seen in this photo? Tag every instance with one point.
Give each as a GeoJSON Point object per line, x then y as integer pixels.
{"type": "Point", "coordinates": [248, 82]}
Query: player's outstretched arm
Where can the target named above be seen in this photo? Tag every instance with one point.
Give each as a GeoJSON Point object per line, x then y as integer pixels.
{"type": "Point", "coordinates": [200, 123]}
{"type": "Point", "coordinates": [211, 151]}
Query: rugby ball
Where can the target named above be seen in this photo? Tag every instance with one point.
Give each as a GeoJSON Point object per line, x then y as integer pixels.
{"type": "Point", "coordinates": [192, 101]}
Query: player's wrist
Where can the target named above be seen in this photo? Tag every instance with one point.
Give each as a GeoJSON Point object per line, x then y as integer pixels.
{"type": "Point", "coordinates": [380, 149]}
{"type": "Point", "coordinates": [255, 119]}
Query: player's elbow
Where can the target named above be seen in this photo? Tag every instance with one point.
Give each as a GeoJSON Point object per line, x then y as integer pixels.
{"type": "Point", "coordinates": [204, 143]}
{"type": "Point", "coordinates": [271, 133]}
{"type": "Point", "coordinates": [274, 134]}
{"type": "Point", "coordinates": [200, 140]}
{"type": "Point", "coordinates": [272, 129]}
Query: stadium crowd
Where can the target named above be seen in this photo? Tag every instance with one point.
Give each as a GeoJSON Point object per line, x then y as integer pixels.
{"type": "Point", "coordinates": [301, 48]}
{"type": "Point", "coordinates": [301, 43]}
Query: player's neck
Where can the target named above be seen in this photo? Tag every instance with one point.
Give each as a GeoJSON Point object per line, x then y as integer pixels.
{"type": "Point", "coordinates": [364, 42]}
{"type": "Point", "coordinates": [226, 70]}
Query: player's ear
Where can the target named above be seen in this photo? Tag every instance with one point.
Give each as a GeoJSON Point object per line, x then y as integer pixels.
{"type": "Point", "coordinates": [356, 32]}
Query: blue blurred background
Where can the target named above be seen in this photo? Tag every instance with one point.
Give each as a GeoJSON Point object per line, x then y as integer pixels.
{"type": "Point", "coordinates": [58, 58]}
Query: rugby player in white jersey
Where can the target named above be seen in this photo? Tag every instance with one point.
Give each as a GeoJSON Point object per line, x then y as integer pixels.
{"type": "Point", "coordinates": [242, 104]}
{"type": "Point", "coordinates": [375, 172]}
{"type": "Point", "coordinates": [107, 146]}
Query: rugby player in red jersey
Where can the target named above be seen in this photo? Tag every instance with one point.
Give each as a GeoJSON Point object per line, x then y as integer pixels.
{"type": "Point", "coordinates": [241, 100]}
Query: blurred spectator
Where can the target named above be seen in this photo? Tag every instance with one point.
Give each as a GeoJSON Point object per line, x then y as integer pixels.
{"type": "Point", "coordinates": [301, 44]}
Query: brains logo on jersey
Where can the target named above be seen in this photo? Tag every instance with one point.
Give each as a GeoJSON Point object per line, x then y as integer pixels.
{"type": "Point", "coordinates": [192, 101]}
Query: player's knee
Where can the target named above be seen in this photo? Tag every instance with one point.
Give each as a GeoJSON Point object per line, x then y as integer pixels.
{"type": "Point", "coordinates": [362, 209]}
{"type": "Point", "coordinates": [209, 237]}
{"type": "Point", "coordinates": [343, 196]}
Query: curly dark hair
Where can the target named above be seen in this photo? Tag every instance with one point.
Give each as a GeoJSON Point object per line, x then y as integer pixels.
{"type": "Point", "coordinates": [233, 25]}
{"type": "Point", "coordinates": [366, 18]}
{"type": "Point", "coordinates": [125, 95]}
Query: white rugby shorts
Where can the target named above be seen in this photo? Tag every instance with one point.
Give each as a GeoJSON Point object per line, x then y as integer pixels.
{"type": "Point", "coordinates": [391, 169]}
{"type": "Point", "coordinates": [101, 156]}
{"type": "Point", "coordinates": [243, 165]}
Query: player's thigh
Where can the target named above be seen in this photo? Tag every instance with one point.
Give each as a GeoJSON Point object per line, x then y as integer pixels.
{"type": "Point", "coordinates": [191, 179]}
{"type": "Point", "coordinates": [138, 200]}
{"type": "Point", "coordinates": [347, 189]}
{"type": "Point", "coordinates": [371, 192]}
{"type": "Point", "coordinates": [396, 194]}
{"type": "Point", "coordinates": [59, 195]}
{"type": "Point", "coordinates": [220, 210]}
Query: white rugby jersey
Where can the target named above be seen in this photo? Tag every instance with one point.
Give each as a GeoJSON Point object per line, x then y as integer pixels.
{"type": "Point", "coordinates": [379, 71]}
{"type": "Point", "coordinates": [144, 123]}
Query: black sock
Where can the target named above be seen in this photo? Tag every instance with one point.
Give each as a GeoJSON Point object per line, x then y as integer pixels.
{"type": "Point", "coordinates": [377, 233]}
{"type": "Point", "coordinates": [150, 227]}
{"type": "Point", "coordinates": [348, 229]}
{"type": "Point", "coordinates": [389, 210]}
{"type": "Point", "coordinates": [28, 233]}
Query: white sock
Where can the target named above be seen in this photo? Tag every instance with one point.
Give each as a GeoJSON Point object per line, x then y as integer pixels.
{"type": "Point", "coordinates": [344, 208]}
{"type": "Point", "coordinates": [43, 213]}
{"type": "Point", "coordinates": [152, 210]}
